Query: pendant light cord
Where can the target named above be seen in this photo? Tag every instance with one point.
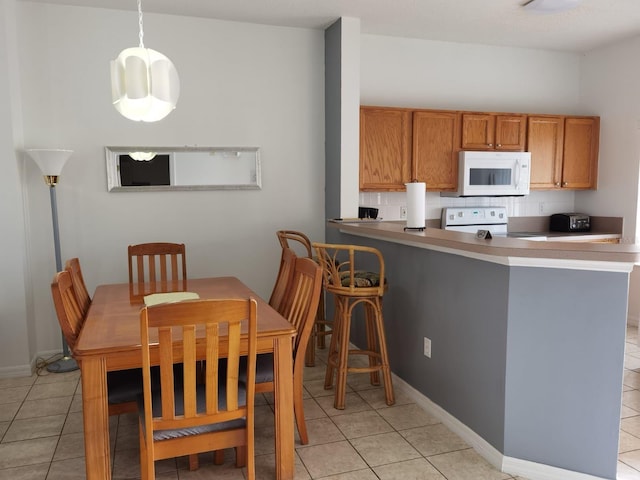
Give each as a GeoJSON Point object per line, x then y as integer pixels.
{"type": "Point", "coordinates": [141, 35]}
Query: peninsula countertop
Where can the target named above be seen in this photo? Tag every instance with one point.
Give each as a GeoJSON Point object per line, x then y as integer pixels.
{"type": "Point", "coordinates": [500, 247]}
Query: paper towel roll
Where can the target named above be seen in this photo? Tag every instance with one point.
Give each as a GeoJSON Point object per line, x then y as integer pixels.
{"type": "Point", "coordinates": [415, 204]}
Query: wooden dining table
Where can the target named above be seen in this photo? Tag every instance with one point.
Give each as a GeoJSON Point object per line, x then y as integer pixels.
{"type": "Point", "coordinates": [110, 340]}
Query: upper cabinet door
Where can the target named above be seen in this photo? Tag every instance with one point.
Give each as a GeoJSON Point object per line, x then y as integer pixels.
{"type": "Point", "coordinates": [511, 132]}
{"type": "Point", "coordinates": [436, 143]}
{"type": "Point", "coordinates": [490, 131]}
{"type": "Point", "coordinates": [545, 137]}
{"type": "Point", "coordinates": [478, 131]}
{"type": "Point", "coordinates": [581, 144]}
{"type": "Point", "coordinates": [385, 148]}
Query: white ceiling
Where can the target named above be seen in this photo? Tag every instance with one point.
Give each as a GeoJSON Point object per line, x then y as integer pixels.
{"type": "Point", "coordinates": [592, 24]}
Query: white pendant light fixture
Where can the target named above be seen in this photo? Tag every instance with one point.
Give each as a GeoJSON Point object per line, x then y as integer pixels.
{"type": "Point", "coordinates": [142, 156]}
{"type": "Point", "coordinates": [144, 83]}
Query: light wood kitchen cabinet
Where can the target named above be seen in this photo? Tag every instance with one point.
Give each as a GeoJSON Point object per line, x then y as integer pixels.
{"type": "Point", "coordinates": [564, 152]}
{"type": "Point", "coordinates": [545, 137]}
{"type": "Point", "coordinates": [580, 157]}
{"type": "Point", "coordinates": [385, 148]}
{"type": "Point", "coordinates": [399, 145]}
{"type": "Point", "coordinates": [436, 143]}
{"type": "Point", "coordinates": [491, 131]}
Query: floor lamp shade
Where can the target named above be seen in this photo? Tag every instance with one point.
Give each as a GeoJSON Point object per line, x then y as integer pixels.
{"type": "Point", "coordinates": [51, 162]}
{"type": "Point", "coordinates": [144, 84]}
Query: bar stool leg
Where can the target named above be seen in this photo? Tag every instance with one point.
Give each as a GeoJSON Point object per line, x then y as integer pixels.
{"type": "Point", "coordinates": [332, 359]}
{"type": "Point", "coordinates": [384, 357]}
{"type": "Point", "coordinates": [343, 353]}
{"type": "Point", "coordinates": [372, 341]}
{"type": "Point", "coordinates": [319, 332]}
{"type": "Point", "coordinates": [321, 326]}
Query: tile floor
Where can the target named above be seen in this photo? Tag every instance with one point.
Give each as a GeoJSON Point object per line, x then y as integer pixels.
{"type": "Point", "coordinates": [41, 435]}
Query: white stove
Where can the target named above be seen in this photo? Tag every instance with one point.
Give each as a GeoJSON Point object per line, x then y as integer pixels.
{"type": "Point", "coordinates": [472, 219]}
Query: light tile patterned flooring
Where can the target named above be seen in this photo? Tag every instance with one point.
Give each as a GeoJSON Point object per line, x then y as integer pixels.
{"type": "Point", "coordinates": [41, 435]}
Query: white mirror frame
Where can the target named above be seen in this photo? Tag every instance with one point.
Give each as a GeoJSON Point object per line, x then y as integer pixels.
{"type": "Point", "coordinates": [250, 156]}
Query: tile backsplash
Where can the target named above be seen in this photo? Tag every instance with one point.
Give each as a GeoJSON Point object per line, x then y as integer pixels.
{"type": "Point", "coordinates": [538, 203]}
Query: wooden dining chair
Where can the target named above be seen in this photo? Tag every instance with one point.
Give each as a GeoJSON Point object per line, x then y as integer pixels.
{"type": "Point", "coordinates": [299, 307]}
{"type": "Point", "coordinates": [123, 386]}
{"type": "Point", "coordinates": [82, 294]}
{"type": "Point", "coordinates": [157, 267]}
{"type": "Point", "coordinates": [322, 326]}
{"type": "Point", "coordinates": [184, 416]}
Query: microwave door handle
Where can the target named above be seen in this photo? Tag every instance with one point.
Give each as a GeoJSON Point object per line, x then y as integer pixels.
{"type": "Point", "coordinates": [517, 173]}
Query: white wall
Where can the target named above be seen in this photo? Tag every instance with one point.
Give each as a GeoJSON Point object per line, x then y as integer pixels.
{"type": "Point", "coordinates": [16, 349]}
{"type": "Point", "coordinates": [242, 85]}
{"type": "Point", "coordinates": [610, 78]}
{"type": "Point", "coordinates": [609, 85]}
{"type": "Point", "coordinates": [454, 76]}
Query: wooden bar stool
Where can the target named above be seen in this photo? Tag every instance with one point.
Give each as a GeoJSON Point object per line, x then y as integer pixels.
{"type": "Point", "coordinates": [352, 287]}
{"type": "Point", "coordinates": [322, 327]}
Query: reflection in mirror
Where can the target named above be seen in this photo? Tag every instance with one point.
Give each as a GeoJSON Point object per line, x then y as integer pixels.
{"type": "Point", "coordinates": [182, 168]}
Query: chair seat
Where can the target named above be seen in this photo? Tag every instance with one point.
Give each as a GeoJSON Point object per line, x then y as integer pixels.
{"type": "Point", "coordinates": [201, 407]}
{"type": "Point", "coordinates": [264, 368]}
{"type": "Point", "coordinates": [361, 278]}
{"type": "Point", "coordinates": [124, 386]}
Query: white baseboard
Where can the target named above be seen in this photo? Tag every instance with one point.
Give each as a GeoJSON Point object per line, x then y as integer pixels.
{"type": "Point", "coordinates": [16, 371]}
{"type": "Point", "coordinates": [27, 370]}
{"type": "Point", "coordinates": [538, 471]}
{"type": "Point", "coordinates": [510, 465]}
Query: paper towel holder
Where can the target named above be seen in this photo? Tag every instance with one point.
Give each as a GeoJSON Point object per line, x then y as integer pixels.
{"type": "Point", "coordinates": [418, 229]}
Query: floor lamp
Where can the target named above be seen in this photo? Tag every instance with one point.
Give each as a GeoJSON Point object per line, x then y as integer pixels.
{"type": "Point", "coordinates": [51, 163]}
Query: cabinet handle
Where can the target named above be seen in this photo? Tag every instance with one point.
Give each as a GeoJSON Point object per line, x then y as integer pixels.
{"type": "Point", "coordinates": [557, 184]}
{"type": "Point", "coordinates": [499, 145]}
{"type": "Point", "coordinates": [490, 145]}
{"type": "Point", "coordinates": [564, 184]}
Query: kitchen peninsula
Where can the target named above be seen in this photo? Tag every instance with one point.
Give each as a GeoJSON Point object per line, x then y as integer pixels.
{"type": "Point", "coordinates": [527, 341]}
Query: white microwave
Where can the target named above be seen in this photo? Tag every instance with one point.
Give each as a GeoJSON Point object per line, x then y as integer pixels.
{"type": "Point", "coordinates": [492, 174]}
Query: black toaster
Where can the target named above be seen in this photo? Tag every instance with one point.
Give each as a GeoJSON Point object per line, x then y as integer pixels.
{"type": "Point", "coordinates": [570, 222]}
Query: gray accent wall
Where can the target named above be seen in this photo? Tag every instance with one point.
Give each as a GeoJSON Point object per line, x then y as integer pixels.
{"type": "Point", "coordinates": [566, 340]}
{"type": "Point", "coordinates": [530, 359]}
{"type": "Point", "coordinates": [332, 107]}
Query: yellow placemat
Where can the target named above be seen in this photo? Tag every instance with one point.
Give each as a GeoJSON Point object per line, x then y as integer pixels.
{"type": "Point", "coordinates": [156, 298]}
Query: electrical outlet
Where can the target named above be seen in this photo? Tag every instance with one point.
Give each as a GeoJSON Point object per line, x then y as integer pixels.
{"type": "Point", "coordinates": [403, 212]}
{"type": "Point", "coordinates": [427, 347]}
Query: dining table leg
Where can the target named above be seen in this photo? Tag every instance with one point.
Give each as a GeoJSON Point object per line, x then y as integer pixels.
{"type": "Point", "coordinates": [283, 386]}
{"type": "Point", "coordinates": [95, 414]}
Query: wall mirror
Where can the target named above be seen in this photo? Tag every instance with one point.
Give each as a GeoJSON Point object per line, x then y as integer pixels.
{"type": "Point", "coordinates": [182, 168]}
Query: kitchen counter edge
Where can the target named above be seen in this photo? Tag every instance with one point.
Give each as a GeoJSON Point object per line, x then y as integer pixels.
{"type": "Point", "coordinates": [508, 251]}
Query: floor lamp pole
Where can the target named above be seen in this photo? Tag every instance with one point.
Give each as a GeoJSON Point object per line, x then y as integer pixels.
{"type": "Point", "coordinates": [66, 363]}
{"type": "Point", "coordinates": [50, 162]}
